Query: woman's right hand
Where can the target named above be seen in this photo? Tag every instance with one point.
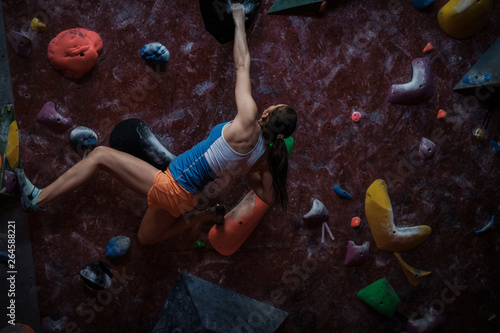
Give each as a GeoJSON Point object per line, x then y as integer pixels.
{"type": "Point", "coordinates": [238, 13]}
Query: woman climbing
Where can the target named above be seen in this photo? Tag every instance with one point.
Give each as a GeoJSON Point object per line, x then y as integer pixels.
{"type": "Point", "coordinates": [245, 145]}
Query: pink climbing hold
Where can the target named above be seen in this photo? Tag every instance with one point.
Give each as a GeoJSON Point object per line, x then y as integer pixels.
{"type": "Point", "coordinates": [323, 6]}
{"type": "Point", "coordinates": [50, 117]}
{"type": "Point", "coordinates": [356, 254]}
{"type": "Point", "coordinates": [427, 149]}
{"type": "Point", "coordinates": [428, 48]}
{"type": "Point", "coordinates": [356, 116]}
{"type": "Point", "coordinates": [429, 323]}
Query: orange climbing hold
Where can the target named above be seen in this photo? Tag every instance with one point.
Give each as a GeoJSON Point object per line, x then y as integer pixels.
{"type": "Point", "coordinates": [355, 222]}
{"type": "Point", "coordinates": [74, 51]}
{"type": "Point", "coordinates": [441, 114]}
{"type": "Point", "coordinates": [238, 224]}
{"type": "Point", "coordinates": [428, 48]}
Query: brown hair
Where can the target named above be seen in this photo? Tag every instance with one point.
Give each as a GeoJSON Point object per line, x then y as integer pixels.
{"type": "Point", "coordinates": [280, 124]}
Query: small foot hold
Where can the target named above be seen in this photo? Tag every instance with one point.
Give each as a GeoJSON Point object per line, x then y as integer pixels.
{"type": "Point", "coordinates": [318, 211]}
{"type": "Point", "coordinates": [441, 114]}
{"type": "Point", "coordinates": [117, 246]}
{"type": "Point", "coordinates": [97, 275]}
{"type": "Point", "coordinates": [155, 54]}
{"type": "Point", "coordinates": [487, 227]}
{"type": "Point", "coordinates": [496, 147]}
{"type": "Point", "coordinates": [428, 48]}
{"type": "Point", "coordinates": [198, 245]}
{"type": "Point", "coordinates": [29, 193]}
{"type": "Point", "coordinates": [50, 325]}
{"type": "Point", "coordinates": [341, 193]}
{"type": "Point", "coordinates": [218, 212]}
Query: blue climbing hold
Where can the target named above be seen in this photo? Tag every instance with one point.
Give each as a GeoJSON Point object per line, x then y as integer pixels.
{"type": "Point", "coordinates": [155, 54]}
{"type": "Point", "coordinates": [487, 226]}
{"type": "Point", "coordinates": [4, 257]}
{"type": "Point", "coordinates": [117, 246]}
{"type": "Point", "coordinates": [341, 193]}
{"type": "Point", "coordinates": [496, 147]}
{"type": "Point", "coordinates": [476, 79]}
{"type": "Point", "coordinates": [422, 4]}
{"type": "Point", "coordinates": [83, 137]}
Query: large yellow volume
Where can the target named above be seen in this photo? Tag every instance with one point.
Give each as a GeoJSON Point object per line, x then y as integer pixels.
{"type": "Point", "coordinates": [12, 153]}
{"type": "Point", "coordinates": [463, 18]}
{"type": "Point", "coordinates": [380, 218]}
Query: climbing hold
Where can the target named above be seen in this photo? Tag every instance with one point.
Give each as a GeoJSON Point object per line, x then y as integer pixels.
{"type": "Point", "coordinates": [430, 322]}
{"type": "Point", "coordinates": [356, 254]}
{"type": "Point", "coordinates": [422, 4]}
{"type": "Point", "coordinates": [355, 222]}
{"type": "Point", "coordinates": [496, 147]}
{"type": "Point", "coordinates": [427, 149]}
{"type": "Point", "coordinates": [198, 245]}
{"type": "Point", "coordinates": [441, 114]}
{"type": "Point", "coordinates": [380, 218]}
{"type": "Point", "coordinates": [323, 6]}
{"type": "Point", "coordinates": [428, 48]}
{"type": "Point", "coordinates": [280, 5]}
{"type": "Point", "coordinates": [50, 117]}
{"type": "Point", "coordinates": [478, 134]}
{"type": "Point", "coordinates": [75, 51]}
{"type": "Point", "coordinates": [37, 25]}
{"type": "Point", "coordinates": [97, 275]}
{"type": "Point", "coordinates": [464, 18]}
{"type": "Point", "coordinates": [49, 325]}
{"type": "Point", "coordinates": [117, 246]}
{"type": "Point", "coordinates": [356, 116]}
{"type": "Point", "coordinates": [4, 257]}
{"type": "Point", "coordinates": [341, 193]}
{"type": "Point", "coordinates": [10, 180]}
{"type": "Point", "coordinates": [414, 275]}
{"type": "Point", "coordinates": [487, 227]}
{"type": "Point", "coordinates": [12, 151]}
{"type": "Point", "coordinates": [476, 80]}
{"type": "Point", "coordinates": [289, 142]}
{"type": "Point", "coordinates": [381, 297]}
{"type": "Point", "coordinates": [419, 89]}
{"type": "Point", "coordinates": [155, 54]}
{"type": "Point", "coordinates": [20, 43]}
{"type": "Point", "coordinates": [83, 137]}
{"type": "Point", "coordinates": [318, 211]}
{"type": "Point", "coordinates": [17, 328]}
{"type": "Point", "coordinates": [238, 224]}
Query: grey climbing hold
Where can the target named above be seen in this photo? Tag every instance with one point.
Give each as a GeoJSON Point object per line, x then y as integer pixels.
{"type": "Point", "coordinates": [117, 246]}
{"type": "Point", "coordinates": [318, 211]}
{"type": "Point", "coordinates": [97, 275]}
{"type": "Point", "coordinates": [155, 54]}
{"type": "Point", "coordinates": [419, 89]}
{"type": "Point", "coordinates": [427, 149]}
{"type": "Point", "coordinates": [50, 325]}
{"type": "Point", "coordinates": [83, 137]}
{"type": "Point", "coordinates": [20, 43]}
{"type": "Point", "coordinates": [429, 323]}
{"type": "Point", "coordinates": [196, 305]}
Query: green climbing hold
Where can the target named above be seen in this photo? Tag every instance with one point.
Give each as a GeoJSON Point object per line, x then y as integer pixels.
{"type": "Point", "coordinates": [381, 297]}
{"type": "Point", "coordinates": [289, 144]}
{"type": "Point", "coordinates": [199, 245]}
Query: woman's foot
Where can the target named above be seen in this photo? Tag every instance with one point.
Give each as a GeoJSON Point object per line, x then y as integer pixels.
{"type": "Point", "coordinates": [218, 212]}
{"type": "Point", "coordinates": [29, 193]}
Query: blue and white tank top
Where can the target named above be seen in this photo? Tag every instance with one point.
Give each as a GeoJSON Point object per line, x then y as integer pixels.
{"type": "Point", "coordinates": [212, 158]}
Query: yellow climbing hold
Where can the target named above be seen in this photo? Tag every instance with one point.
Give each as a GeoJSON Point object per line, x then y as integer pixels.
{"type": "Point", "coordinates": [380, 218]}
{"type": "Point", "coordinates": [463, 18]}
{"type": "Point", "coordinates": [37, 25]}
{"type": "Point", "coordinates": [414, 275]}
{"type": "Point", "coordinates": [12, 153]}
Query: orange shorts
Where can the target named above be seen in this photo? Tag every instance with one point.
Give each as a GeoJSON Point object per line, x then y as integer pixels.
{"type": "Point", "coordinates": [167, 194]}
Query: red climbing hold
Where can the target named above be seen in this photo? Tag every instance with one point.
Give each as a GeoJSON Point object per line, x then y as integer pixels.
{"type": "Point", "coordinates": [428, 48]}
{"type": "Point", "coordinates": [441, 114]}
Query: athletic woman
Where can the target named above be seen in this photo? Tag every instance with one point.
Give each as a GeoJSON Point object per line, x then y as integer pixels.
{"type": "Point", "coordinates": [245, 145]}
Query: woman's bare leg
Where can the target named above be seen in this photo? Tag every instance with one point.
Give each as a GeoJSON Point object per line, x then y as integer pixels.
{"type": "Point", "coordinates": [158, 224]}
{"type": "Point", "coordinates": [135, 173]}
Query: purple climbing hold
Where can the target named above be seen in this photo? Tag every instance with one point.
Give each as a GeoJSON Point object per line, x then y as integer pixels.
{"type": "Point", "coordinates": [427, 149]}
{"type": "Point", "coordinates": [10, 179]}
{"type": "Point", "coordinates": [50, 117]}
{"type": "Point", "coordinates": [356, 254]}
{"type": "Point", "coordinates": [20, 43]}
{"type": "Point", "coordinates": [50, 326]}
{"type": "Point", "coordinates": [429, 323]}
{"type": "Point", "coordinates": [419, 89]}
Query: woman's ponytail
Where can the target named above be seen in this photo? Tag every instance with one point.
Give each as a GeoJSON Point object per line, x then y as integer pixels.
{"type": "Point", "coordinates": [280, 125]}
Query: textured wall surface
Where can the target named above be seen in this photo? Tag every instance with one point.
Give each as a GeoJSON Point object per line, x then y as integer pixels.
{"type": "Point", "coordinates": [324, 65]}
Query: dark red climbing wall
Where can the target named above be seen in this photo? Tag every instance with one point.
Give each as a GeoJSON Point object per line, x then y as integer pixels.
{"type": "Point", "coordinates": [326, 66]}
